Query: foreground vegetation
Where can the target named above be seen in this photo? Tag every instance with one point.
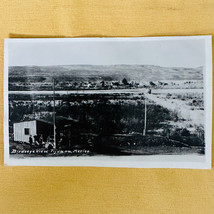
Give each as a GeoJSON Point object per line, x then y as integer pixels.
{"type": "Point", "coordinates": [112, 123]}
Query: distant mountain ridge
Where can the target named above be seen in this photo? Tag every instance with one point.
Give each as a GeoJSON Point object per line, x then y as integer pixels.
{"type": "Point", "coordinates": [114, 72]}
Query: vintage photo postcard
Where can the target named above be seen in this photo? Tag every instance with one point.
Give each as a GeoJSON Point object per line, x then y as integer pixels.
{"type": "Point", "coordinates": [114, 102]}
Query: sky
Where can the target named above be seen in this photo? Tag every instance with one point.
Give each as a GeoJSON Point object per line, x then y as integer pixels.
{"type": "Point", "coordinates": [165, 52]}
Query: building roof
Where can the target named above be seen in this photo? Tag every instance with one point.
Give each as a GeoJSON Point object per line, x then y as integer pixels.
{"type": "Point", "coordinates": [39, 120]}
{"type": "Point", "coordinates": [58, 119]}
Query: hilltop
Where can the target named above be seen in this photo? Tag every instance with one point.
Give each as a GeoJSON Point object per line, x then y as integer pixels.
{"type": "Point", "coordinates": [111, 72]}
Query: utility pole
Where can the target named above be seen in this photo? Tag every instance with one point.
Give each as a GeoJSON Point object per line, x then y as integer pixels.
{"type": "Point", "coordinates": [145, 117]}
{"type": "Point", "coordinates": [54, 114]}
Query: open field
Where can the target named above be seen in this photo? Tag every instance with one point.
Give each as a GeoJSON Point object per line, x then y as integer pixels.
{"type": "Point", "coordinates": [116, 117]}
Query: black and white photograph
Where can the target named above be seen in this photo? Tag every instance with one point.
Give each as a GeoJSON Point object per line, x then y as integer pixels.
{"type": "Point", "coordinates": [114, 102]}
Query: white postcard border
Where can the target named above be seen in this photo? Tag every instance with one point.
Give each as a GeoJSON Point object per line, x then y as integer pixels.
{"type": "Point", "coordinates": [156, 161]}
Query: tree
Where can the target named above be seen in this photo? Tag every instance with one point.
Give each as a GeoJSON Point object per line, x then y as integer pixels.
{"type": "Point", "coordinates": [125, 82]}
{"type": "Point", "coordinates": [152, 84]}
{"type": "Point", "coordinates": [102, 83]}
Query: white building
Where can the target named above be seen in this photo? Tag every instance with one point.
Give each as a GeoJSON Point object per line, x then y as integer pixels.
{"type": "Point", "coordinates": [23, 130]}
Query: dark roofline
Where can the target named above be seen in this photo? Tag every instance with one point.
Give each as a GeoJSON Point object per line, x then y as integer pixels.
{"type": "Point", "coordinates": [39, 120]}
{"type": "Point", "coordinates": [58, 118]}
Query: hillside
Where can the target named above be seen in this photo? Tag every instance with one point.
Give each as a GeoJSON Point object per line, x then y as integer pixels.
{"type": "Point", "coordinates": [114, 72]}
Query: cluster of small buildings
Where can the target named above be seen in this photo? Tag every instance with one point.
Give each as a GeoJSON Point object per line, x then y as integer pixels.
{"type": "Point", "coordinates": [74, 85]}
